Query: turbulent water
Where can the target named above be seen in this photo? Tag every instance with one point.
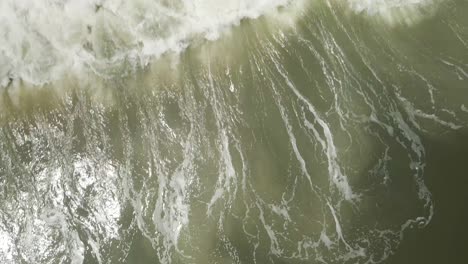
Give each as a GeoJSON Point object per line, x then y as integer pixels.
{"type": "Point", "coordinates": [209, 131]}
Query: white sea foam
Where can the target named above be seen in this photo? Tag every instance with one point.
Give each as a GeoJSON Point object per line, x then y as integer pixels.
{"type": "Point", "coordinates": [6, 246]}
{"type": "Point", "coordinates": [393, 11]}
{"type": "Point", "coordinates": [44, 40]}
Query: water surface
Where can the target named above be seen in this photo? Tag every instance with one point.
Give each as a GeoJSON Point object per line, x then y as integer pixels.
{"type": "Point", "coordinates": [235, 132]}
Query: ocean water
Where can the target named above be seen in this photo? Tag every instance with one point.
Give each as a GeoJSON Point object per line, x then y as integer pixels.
{"type": "Point", "coordinates": [209, 131]}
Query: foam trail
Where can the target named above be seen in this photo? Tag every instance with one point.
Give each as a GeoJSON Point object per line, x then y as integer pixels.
{"type": "Point", "coordinates": [338, 178]}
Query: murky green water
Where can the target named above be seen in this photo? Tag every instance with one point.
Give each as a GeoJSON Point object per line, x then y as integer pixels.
{"type": "Point", "coordinates": [317, 134]}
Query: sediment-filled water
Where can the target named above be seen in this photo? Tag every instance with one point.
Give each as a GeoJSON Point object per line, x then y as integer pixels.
{"type": "Point", "coordinates": [211, 131]}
